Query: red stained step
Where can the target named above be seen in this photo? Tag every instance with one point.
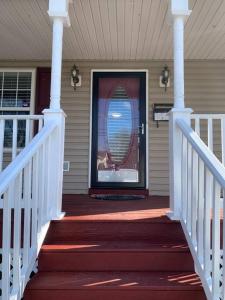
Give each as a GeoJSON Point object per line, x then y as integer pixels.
{"type": "Point", "coordinates": [115, 285]}
{"type": "Point", "coordinates": [154, 231]}
{"type": "Point", "coordinates": [115, 256]}
{"type": "Point", "coordinates": [116, 251]}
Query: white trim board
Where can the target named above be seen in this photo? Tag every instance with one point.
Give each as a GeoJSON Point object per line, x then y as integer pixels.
{"type": "Point", "coordinates": [147, 122]}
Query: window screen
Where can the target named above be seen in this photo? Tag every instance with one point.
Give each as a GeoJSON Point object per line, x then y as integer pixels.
{"type": "Point", "coordinates": [15, 89]}
{"type": "Point", "coordinates": [15, 99]}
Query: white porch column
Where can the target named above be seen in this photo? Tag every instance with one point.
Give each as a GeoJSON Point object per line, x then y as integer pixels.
{"type": "Point", "coordinates": [57, 41]}
{"type": "Point", "coordinates": [58, 13]}
{"type": "Point", "coordinates": [178, 29]}
{"type": "Point", "coordinates": [179, 12]}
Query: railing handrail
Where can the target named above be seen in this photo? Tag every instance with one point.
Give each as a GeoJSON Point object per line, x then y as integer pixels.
{"type": "Point", "coordinates": [16, 166]}
{"type": "Point", "coordinates": [21, 117]}
{"type": "Point", "coordinates": [211, 161]}
{"type": "Point", "coordinates": [207, 116]}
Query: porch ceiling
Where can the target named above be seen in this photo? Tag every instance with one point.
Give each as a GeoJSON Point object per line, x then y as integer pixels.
{"type": "Point", "coordinates": [111, 29]}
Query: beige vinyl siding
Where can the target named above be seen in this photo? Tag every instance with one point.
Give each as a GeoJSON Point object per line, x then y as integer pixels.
{"type": "Point", "coordinates": [205, 93]}
{"type": "Point", "coordinates": [77, 134]}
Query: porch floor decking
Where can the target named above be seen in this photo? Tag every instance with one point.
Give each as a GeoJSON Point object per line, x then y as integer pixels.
{"type": "Point", "coordinates": [115, 250]}
{"type": "Point", "coordinates": [83, 207]}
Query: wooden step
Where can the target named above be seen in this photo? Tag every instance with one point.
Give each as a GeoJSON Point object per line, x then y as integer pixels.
{"type": "Point", "coordinates": [153, 231]}
{"type": "Point", "coordinates": [115, 285]}
{"type": "Point", "coordinates": [115, 251]}
{"type": "Point", "coordinates": [115, 256]}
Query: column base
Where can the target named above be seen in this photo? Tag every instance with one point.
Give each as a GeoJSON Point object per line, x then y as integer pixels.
{"type": "Point", "coordinates": [59, 216]}
{"type": "Point", "coordinates": [170, 214]}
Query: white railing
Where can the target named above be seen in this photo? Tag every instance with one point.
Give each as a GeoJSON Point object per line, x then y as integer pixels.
{"type": "Point", "coordinates": [30, 196]}
{"type": "Point", "coordinates": [211, 129]}
{"type": "Point", "coordinates": [203, 184]}
{"type": "Point", "coordinates": [16, 131]}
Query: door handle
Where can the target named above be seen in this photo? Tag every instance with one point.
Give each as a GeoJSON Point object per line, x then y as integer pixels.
{"type": "Point", "coordinates": [142, 128]}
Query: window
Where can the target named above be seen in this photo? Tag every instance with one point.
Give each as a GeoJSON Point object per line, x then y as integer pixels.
{"type": "Point", "coordinates": [16, 98]}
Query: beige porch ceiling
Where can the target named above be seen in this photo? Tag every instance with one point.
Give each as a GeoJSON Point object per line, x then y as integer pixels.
{"type": "Point", "coordinates": [111, 29]}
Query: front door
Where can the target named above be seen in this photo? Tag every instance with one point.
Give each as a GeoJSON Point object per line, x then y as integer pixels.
{"type": "Point", "coordinates": [119, 130]}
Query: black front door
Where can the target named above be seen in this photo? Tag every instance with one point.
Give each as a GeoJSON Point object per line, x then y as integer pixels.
{"type": "Point", "coordinates": [119, 130]}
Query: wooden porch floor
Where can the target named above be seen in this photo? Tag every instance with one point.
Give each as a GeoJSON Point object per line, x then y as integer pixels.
{"type": "Point", "coordinates": [84, 207]}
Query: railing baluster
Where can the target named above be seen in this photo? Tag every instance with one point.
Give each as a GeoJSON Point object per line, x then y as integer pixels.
{"type": "Point", "coordinates": [200, 210]}
{"type": "Point", "coordinates": [2, 128]}
{"type": "Point", "coordinates": [210, 134]}
{"type": "Point", "coordinates": [48, 174]}
{"type": "Point", "coordinates": [6, 243]}
{"type": "Point", "coordinates": [41, 187]}
{"type": "Point", "coordinates": [44, 168]}
{"type": "Point", "coordinates": [35, 175]}
{"type": "Point", "coordinates": [197, 126]}
{"type": "Point", "coordinates": [216, 241]}
{"type": "Point", "coordinates": [46, 179]}
{"type": "Point", "coordinates": [184, 178]}
{"type": "Point", "coordinates": [40, 124]}
{"type": "Point", "coordinates": [27, 135]}
{"type": "Point", "coordinates": [27, 215]}
{"type": "Point", "coordinates": [17, 234]}
{"type": "Point", "coordinates": [207, 223]}
{"type": "Point", "coordinates": [14, 139]}
{"type": "Point", "coordinates": [189, 186]}
{"type": "Point", "coordinates": [194, 197]}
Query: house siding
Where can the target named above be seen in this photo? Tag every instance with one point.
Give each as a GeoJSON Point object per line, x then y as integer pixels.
{"type": "Point", "coordinates": [204, 93]}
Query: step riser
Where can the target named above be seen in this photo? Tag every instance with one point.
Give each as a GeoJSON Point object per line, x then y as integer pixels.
{"type": "Point", "coordinates": [113, 294]}
{"type": "Point", "coordinates": [155, 232]}
{"type": "Point", "coordinates": [120, 261]}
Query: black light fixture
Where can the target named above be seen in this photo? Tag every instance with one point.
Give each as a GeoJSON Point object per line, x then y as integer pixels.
{"type": "Point", "coordinates": [75, 77]}
{"type": "Point", "coordinates": [165, 76]}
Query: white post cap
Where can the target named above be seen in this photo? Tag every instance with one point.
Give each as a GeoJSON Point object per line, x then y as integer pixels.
{"type": "Point", "coordinates": [180, 8]}
{"type": "Point", "coordinates": [60, 9]}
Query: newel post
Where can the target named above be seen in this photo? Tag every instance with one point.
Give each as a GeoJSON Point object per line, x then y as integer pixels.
{"type": "Point", "coordinates": [58, 13]}
{"type": "Point", "coordinates": [179, 12]}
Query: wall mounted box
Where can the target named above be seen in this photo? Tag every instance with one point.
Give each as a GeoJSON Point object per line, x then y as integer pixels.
{"type": "Point", "coordinates": [160, 112]}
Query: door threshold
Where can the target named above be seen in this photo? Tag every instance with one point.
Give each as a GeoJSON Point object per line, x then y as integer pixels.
{"type": "Point", "coordinates": [110, 191]}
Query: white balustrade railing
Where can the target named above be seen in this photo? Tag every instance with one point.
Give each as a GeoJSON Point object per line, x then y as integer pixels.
{"type": "Point", "coordinates": [30, 196]}
{"type": "Point", "coordinates": [16, 131]}
{"type": "Point", "coordinates": [203, 183]}
{"type": "Point", "coordinates": [211, 128]}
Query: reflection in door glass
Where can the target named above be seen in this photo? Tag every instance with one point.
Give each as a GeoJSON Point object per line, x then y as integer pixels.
{"type": "Point", "coordinates": [119, 129]}
{"type": "Point", "coordinates": [118, 140]}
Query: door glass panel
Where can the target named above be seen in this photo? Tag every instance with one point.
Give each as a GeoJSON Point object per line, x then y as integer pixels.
{"type": "Point", "coordinates": [118, 130]}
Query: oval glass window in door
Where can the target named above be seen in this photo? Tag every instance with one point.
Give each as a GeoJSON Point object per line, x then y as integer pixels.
{"type": "Point", "coordinates": [118, 137]}
{"type": "Point", "coordinates": [119, 129]}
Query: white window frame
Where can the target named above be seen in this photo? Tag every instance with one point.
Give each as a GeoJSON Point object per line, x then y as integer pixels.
{"type": "Point", "coordinates": [29, 109]}
{"type": "Point", "coordinates": [33, 82]}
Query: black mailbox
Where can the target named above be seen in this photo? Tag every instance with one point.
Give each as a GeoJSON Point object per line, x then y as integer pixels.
{"type": "Point", "coordinates": [160, 112]}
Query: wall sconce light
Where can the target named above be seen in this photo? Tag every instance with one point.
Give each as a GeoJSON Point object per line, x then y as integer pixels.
{"type": "Point", "coordinates": [75, 77]}
{"type": "Point", "coordinates": [164, 79]}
